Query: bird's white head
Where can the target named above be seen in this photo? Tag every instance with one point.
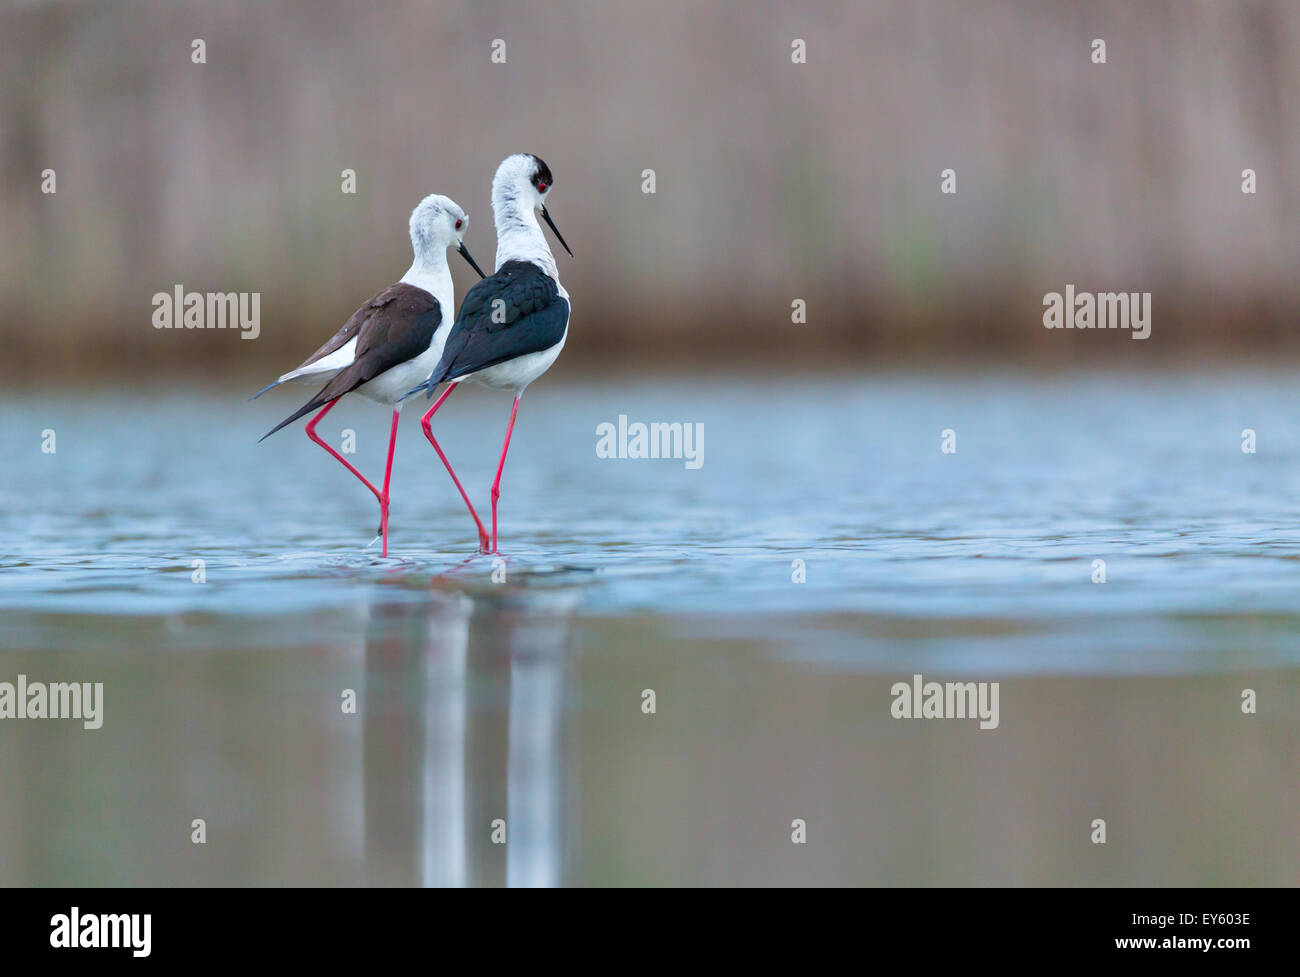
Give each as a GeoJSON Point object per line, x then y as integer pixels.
{"type": "Point", "coordinates": [439, 223]}
{"type": "Point", "coordinates": [519, 192]}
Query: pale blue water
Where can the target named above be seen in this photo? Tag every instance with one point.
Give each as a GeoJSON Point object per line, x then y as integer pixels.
{"type": "Point", "coordinates": [621, 573]}
{"type": "Point", "coordinates": [845, 474]}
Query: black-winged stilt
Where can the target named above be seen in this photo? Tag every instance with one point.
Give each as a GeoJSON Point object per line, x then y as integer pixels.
{"type": "Point", "coordinates": [393, 340]}
{"type": "Point", "coordinates": [512, 325]}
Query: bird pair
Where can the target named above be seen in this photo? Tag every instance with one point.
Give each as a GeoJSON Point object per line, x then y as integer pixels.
{"type": "Point", "coordinates": [510, 329]}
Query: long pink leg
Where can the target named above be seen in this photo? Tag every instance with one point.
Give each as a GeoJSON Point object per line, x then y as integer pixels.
{"type": "Point", "coordinates": [311, 433]}
{"type": "Point", "coordinates": [428, 433]}
{"type": "Point", "coordinates": [388, 474]}
{"type": "Point", "coordinates": [388, 470]}
{"type": "Point", "coordinates": [496, 486]}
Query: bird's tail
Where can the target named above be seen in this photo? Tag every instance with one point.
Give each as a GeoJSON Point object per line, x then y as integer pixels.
{"type": "Point", "coordinates": [415, 390]}
{"type": "Point", "coordinates": [270, 386]}
{"type": "Point", "coordinates": [429, 386]}
{"type": "Point", "coordinates": [317, 402]}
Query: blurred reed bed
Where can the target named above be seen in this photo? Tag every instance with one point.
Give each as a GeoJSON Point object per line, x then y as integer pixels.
{"type": "Point", "coordinates": [774, 180]}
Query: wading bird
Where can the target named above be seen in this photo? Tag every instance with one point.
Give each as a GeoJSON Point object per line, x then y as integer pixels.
{"type": "Point", "coordinates": [512, 325]}
{"type": "Point", "coordinates": [393, 340]}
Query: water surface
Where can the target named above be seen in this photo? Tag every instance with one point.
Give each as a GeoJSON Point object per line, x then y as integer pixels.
{"type": "Point", "coordinates": [513, 690]}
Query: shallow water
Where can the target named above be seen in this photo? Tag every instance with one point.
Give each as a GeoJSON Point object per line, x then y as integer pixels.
{"type": "Point", "coordinates": [521, 698]}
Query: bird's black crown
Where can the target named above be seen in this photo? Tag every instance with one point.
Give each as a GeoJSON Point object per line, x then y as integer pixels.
{"type": "Point", "coordinates": [541, 175]}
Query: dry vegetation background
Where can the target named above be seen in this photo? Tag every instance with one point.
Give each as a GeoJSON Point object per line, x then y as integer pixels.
{"type": "Point", "coordinates": [775, 181]}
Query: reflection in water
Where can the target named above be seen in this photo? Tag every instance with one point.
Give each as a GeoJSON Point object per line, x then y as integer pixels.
{"type": "Point", "coordinates": [1120, 701]}
{"type": "Point", "coordinates": [465, 715]}
{"type": "Point", "coordinates": [486, 703]}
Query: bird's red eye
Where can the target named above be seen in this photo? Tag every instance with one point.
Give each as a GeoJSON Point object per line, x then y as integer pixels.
{"type": "Point", "coordinates": [541, 188]}
{"type": "Point", "coordinates": [459, 222]}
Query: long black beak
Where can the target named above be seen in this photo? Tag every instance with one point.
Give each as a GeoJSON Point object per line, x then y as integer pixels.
{"type": "Point", "coordinates": [546, 216]}
{"type": "Point", "coordinates": [464, 253]}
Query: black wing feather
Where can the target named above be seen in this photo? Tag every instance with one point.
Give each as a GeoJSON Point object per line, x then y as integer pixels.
{"type": "Point", "coordinates": [512, 313]}
{"type": "Point", "coordinates": [395, 326]}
